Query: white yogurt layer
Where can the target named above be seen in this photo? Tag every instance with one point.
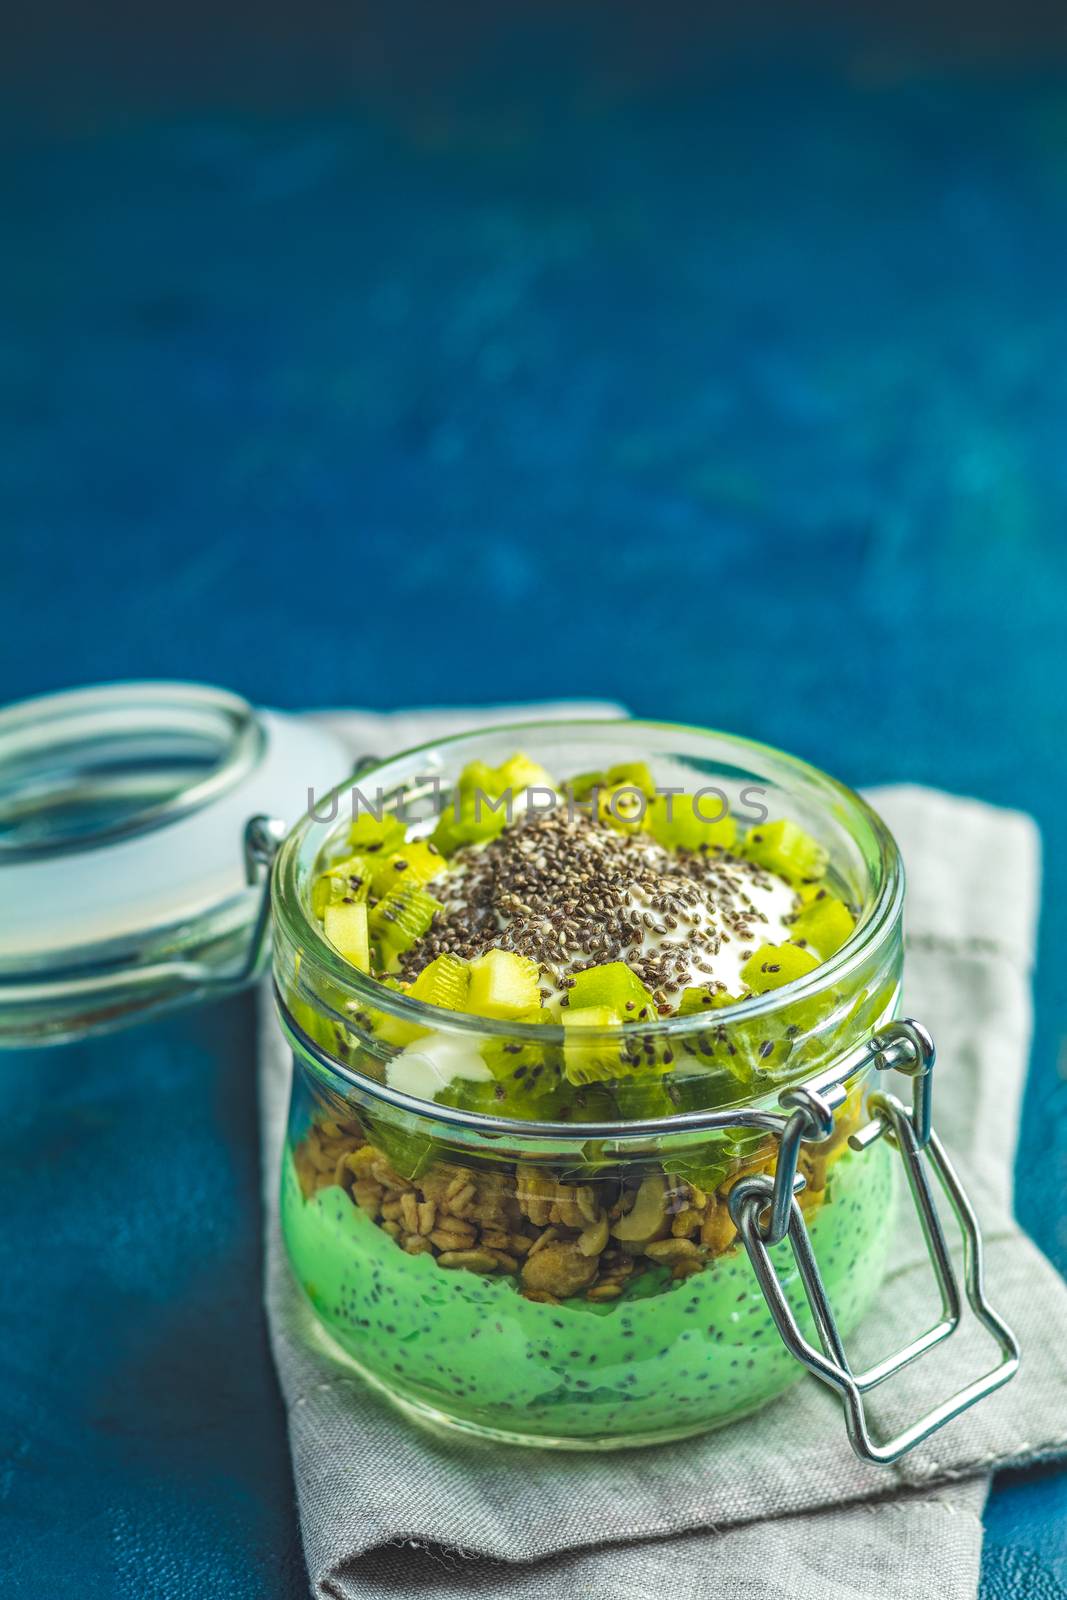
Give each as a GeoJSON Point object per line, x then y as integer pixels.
{"type": "Point", "coordinates": [774, 902]}
{"type": "Point", "coordinates": [428, 1065]}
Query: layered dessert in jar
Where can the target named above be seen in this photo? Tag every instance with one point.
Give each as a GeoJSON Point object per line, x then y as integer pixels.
{"type": "Point", "coordinates": [556, 959]}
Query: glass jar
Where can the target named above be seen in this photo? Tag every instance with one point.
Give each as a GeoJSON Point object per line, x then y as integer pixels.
{"type": "Point", "coordinates": [638, 1261]}
{"type": "Point", "coordinates": [650, 1266]}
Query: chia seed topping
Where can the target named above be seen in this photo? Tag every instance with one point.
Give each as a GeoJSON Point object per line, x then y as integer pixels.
{"type": "Point", "coordinates": [572, 894]}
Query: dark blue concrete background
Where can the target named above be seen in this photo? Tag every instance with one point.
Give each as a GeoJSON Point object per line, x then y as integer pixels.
{"type": "Point", "coordinates": [733, 385]}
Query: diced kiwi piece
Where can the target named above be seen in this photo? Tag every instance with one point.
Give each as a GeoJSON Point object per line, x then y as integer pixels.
{"type": "Point", "coordinates": [615, 985]}
{"type": "Point", "coordinates": [582, 784]}
{"type": "Point", "coordinates": [675, 821]}
{"type": "Point", "coordinates": [784, 848]}
{"type": "Point", "coordinates": [345, 925]}
{"type": "Point", "coordinates": [401, 918]}
{"type": "Point", "coordinates": [870, 1009]}
{"type": "Point", "coordinates": [344, 880]}
{"type": "Point", "coordinates": [418, 862]}
{"type": "Point", "coordinates": [480, 781]}
{"type": "Point", "coordinates": [704, 999]}
{"type": "Point", "coordinates": [331, 1035]}
{"type": "Point", "coordinates": [709, 1165]}
{"type": "Point", "coordinates": [355, 872]}
{"type": "Point", "coordinates": [705, 1166]}
{"type": "Point", "coordinates": [477, 822]}
{"type": "Point", "coordinates": [773, 965]}
{"type": "Point", "coordinates": [824, 924]}
{"type": "Point", "coordinates": [716, 1085]}
{"type": "Point", "coordinates": [807, 892]}
{"type": "Point", "coordinates": [496, 1099]}
{"type": "Point", "coordinates": [531, 1064]}
{"type": "Point", "coordinates": [478, 777]}
{"type": "Point", "coordinates": [729, 1063]}
{"type": "Point", "coordinates": [620, 792]}
{"type": "Point", "coordinates": [396, 1031]}
{"type": "Point", "coordinates": [482, 811]}
{"type": "Point", "coordinates": [590, 1102]}
{"type": "Point", "coordinates": [587, 1060]}
{"type": "Point", "coordinates": [620, 808]}
{"type": "Point", "coordinates": [448, 834]}
{"type": "Point", "coordinates": [640, 1100]}
{"type": "Point", "coordinates": [375, 836]}
{"type": "Point", "coordinates": [387, 1028]}
{"type": "Point", "coordinates": [443, 982]}
{"type": "Point", "coordinates": [632, 775]}
{"type": "Point", "coordinates": [526, 1079]}
{"type": "Point", "coordinates": [408, 1152]}
{"type": "Point", "coordinates": [752, 1047]}
{"type": "Point", "coordinates": [519, 772]}
{"type": "Point", "coordinates": [468, 1095]}
{"type": "Point", "coordinates": [503, 984]}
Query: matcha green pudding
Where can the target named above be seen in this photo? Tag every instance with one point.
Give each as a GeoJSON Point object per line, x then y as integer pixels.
{"type": "Point", "coordinates": [545, 956]}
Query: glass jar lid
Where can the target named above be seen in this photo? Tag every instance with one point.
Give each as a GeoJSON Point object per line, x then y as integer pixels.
{"type": "Point", "coordinates": [124, 886]}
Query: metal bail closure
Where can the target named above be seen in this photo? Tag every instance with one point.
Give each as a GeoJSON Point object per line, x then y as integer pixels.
{"type": "Point", "coordinates": [765, 1211]}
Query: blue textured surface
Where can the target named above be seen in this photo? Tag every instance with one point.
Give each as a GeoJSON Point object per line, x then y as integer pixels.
{"type": "Point", "coordinates": [741, 397]}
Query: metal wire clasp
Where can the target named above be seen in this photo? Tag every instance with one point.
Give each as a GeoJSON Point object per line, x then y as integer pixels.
{"type": "Point", "coordinates": [765, 1212]}
{"type": "Point", "coordinates": [262, 838]}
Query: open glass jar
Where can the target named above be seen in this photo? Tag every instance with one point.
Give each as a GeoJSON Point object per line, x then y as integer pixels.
{"type": "Point", "coordinates": [660, 1251]}
{"type": "Point", "coordinates": [671, 1253]}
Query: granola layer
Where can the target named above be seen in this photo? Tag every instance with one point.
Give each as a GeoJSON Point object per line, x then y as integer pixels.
{"type": "Point", "coordinates": [560, 1239]}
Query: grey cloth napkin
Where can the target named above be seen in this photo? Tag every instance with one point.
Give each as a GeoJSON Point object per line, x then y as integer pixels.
{"type": "Point", "coordinates": [776, 1504]}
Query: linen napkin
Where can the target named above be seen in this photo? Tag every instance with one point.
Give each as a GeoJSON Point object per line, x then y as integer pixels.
{"type": "Point", "coordinates": [776, 1504]}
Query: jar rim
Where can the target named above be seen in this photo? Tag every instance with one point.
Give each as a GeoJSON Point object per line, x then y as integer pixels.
{"type": "Point", "coordinates": [319, 958]}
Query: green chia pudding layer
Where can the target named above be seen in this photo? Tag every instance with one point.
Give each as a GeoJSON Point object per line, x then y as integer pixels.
{"type": "Point", "coordinates": [664, 1359]}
